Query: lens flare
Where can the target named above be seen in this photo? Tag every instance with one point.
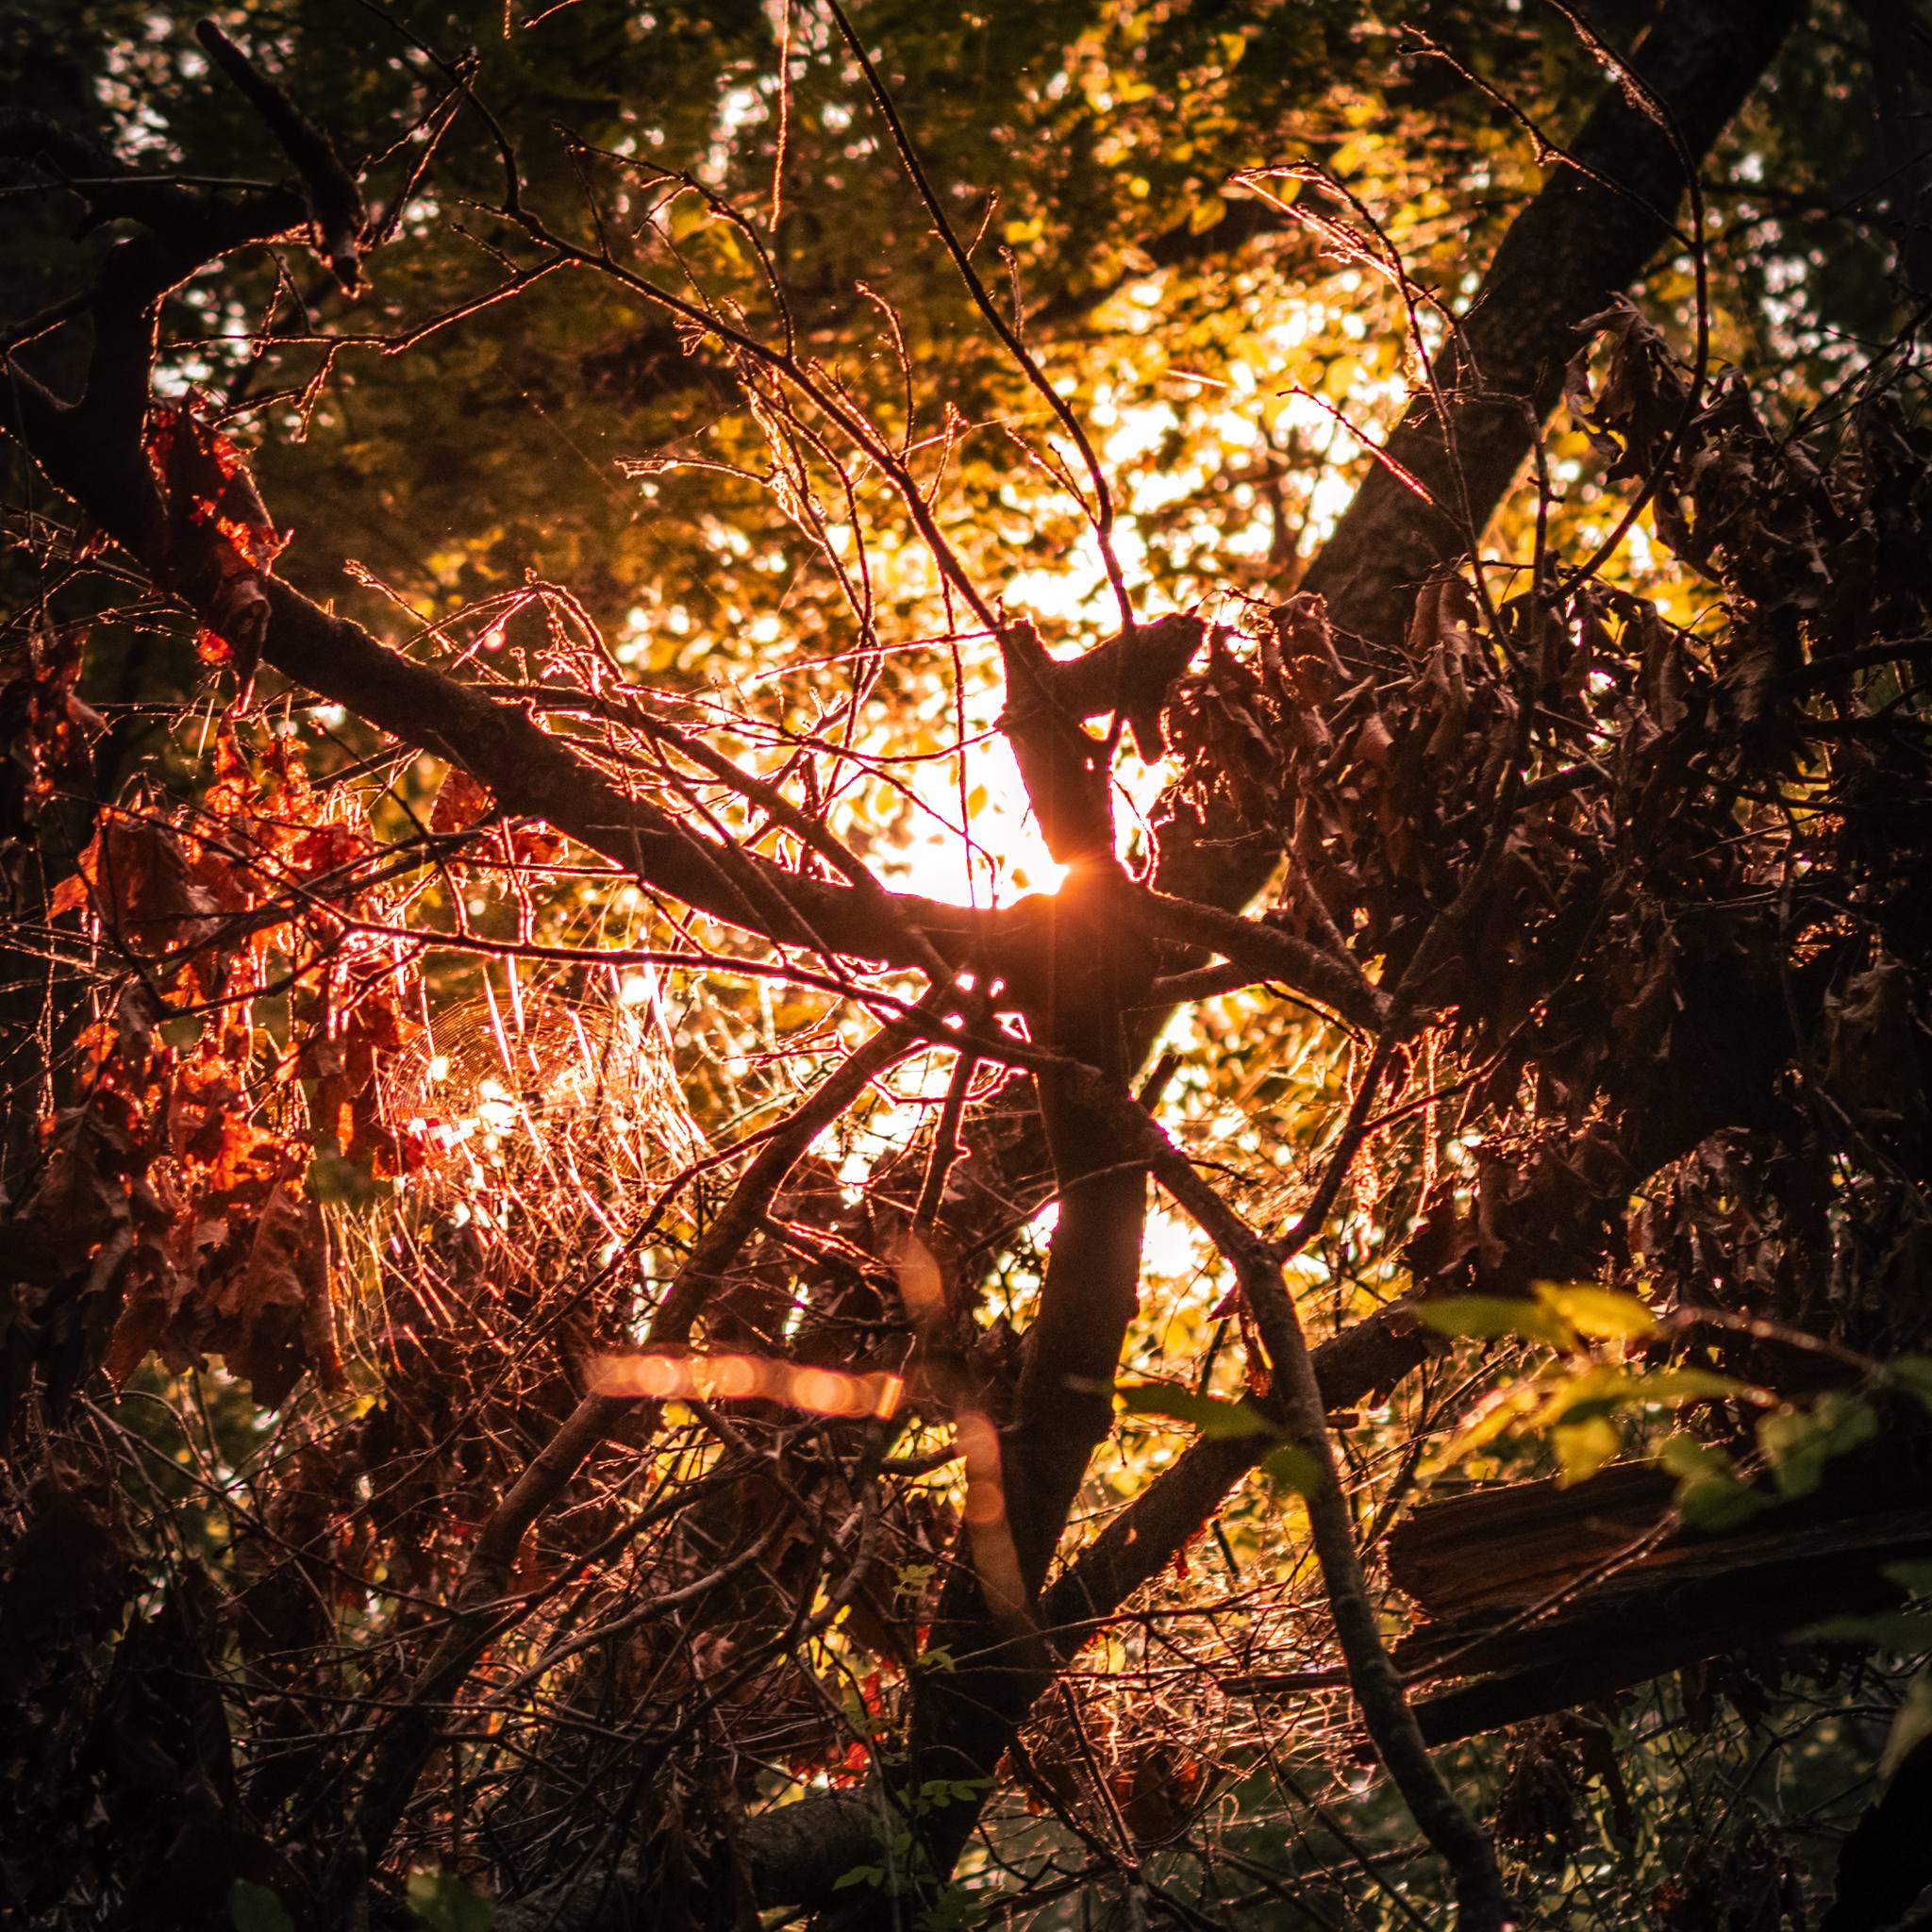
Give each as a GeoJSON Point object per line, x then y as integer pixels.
{"type": "Point", "coordinates": [743, 1377]}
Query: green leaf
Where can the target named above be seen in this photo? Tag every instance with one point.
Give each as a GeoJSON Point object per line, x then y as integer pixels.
{"type": "Point", "coordinates": [859, 1875]}
{"type": "Point", "coordinates": [1711, 1493]}
{"type": "Point", "coordinates": [936, 1793]}
{"type": "Point", "coordinates": [913, 1580]}
{"type": "Point", "coordinates": [256, 1908]}
{"type": "Point", "coordinates": [1606, 1385]}
{"type": "Point", "coordinates": [1910, 1727]}
{"type": "Point", "coordinates": [337, 1182]}
{"type": "Point", "coordinates": [1717, 1503]}
{"type": "Point", "coordinates": [1291, 1467]}
{"type": "Point", "coordinates": [1686, 1455]}
{"type": "Point", "coordinates": [954, 1911]}
{"type": "Point", "coordinates": [1598, 1312]}
{"type": "Point", "coordinates": [1912, 1574]}
{"type": "Point", "coordinates": [1216, 1419]}
{"type": "Point", "coordinates": [1799, 1442]}
{"type": "Point", "coordinates": [1673, 1387]}
{"type": "Point", "coordinates": [1913, 1373]}
{"type": "Point", "coordinates": [445, 1904]}
{"type": "Point", "coordinates": [1574, 1399]}
{"type": "Point", "coordinates": [1903, 1630]}
{"type": "Point", "coordinates": [1487, 1317]}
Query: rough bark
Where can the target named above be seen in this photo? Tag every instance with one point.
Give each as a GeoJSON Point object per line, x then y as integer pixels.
{"type": "Point", "coordinates": [1585, 237]}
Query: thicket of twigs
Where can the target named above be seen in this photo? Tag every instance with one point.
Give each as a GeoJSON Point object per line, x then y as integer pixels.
{"type": "Point", "coordinates": [664, 1456]}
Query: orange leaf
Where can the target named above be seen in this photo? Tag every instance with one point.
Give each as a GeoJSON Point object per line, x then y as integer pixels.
{"type": "Point", "coordinates": [459, 803]}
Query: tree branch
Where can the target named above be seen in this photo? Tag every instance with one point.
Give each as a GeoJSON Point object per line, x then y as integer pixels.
{"type": "Point", "coordinates": [1296, 1395]}
{"type": "Point", "coordinates": [1578, 243]}
{"type": "Point", "coordinates": [481, 1611]}
{"type": "Point", "coordinates": [335, 202]}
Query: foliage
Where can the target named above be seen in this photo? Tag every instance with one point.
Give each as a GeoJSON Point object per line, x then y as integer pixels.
{"type": "Point", "coordinates": [651, 652]}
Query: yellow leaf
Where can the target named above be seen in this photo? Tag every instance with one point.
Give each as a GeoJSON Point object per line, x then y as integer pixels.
{"type": "Point", "coordinates": [1910, 1727]}
{"type": "Point", "coordinates": [1490, 1316]}
{"type": "Point", "coordinates": [1597, 1311]}
{"type": "Point", "coordinates": [1605, 1386]}
{"type": "Point", "coordinates": [1583, 1448]}
{"type": "Point", "coordinates": [1496, 1416]}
